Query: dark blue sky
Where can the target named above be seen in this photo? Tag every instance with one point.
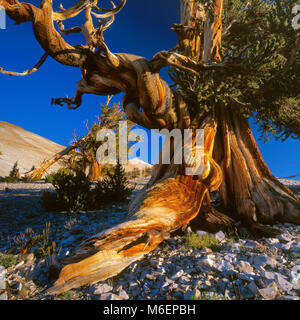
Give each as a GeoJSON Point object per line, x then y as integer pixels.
{"type": "Point", "coordinates": [142, 28]}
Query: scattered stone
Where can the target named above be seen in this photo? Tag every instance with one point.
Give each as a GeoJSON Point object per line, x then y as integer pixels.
{"type": "Point", "coordinates": [177, 275]}
{"type": "Point", "coordinates": [19, 265]}
{"type": "Point", "coordinates": [224, 266]}
{"type": "Point", "coordinates": [283, 284]}
{"type": "Point", "coordinates": [246, 276]}
{"type": "Point", "coordinates": [201, 233]}
{"type": "Point", "coordinates": [289, 298]}
{"type": "Point", "coordinates": [269, 293]}
{"type": "Point", "coordinates": [251, 244]}
{"type": "Point", "coordinates": [101, 288]}
{"type": "Point", "coordinates": [285, 237]}
{"type": "Point", "coordinates": [151, 277]}
{"type": "Point", "coordinates": [259, 260]}
{"type": "Point", "coordinates": [123, 294]}
{"type": "Point", "coordinates": [270, 276]}
{"type": "Point", "coordinates": [206, 251]}
{"type": "Point", "coordinates": [110, 296]}
{"type": "Point", "coordinates": [3, 296]}
{"type": "Point", "coordinates": [206, 262]}
{"type": "Point", "coordinates": [246, 267]}
{"type": "Point", "coordinates": [253, 288]}
{"type": "Point", "coordinates": [220, 236]}
{"type": "Point", "coordinates": [235, 248]}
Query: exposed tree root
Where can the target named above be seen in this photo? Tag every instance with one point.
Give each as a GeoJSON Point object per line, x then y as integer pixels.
{"type": "Point", "coordinates": [168, 205]}
{"type": "Point", "coordinates": [249, 191]}
{"type": "Point", "coordinates": [212, 220]}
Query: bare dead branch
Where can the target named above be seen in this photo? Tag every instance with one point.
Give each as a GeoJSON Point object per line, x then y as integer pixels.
{"type": "Point", "coordinates": [26, 72]}
{"type": "Point", "coordinates": [62, 29]}
{"type": "Point", "coordinates": [109, 12]}
{"type": "Point", "coordinates": [71, 12]}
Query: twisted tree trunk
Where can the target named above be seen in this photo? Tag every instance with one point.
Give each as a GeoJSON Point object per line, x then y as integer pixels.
{"type": "Point", "coordinates": [248, 191]}
{"type": "Point", "coordinates": [172, 199]}
{"type": "Point", "coordinates": [94, 171]}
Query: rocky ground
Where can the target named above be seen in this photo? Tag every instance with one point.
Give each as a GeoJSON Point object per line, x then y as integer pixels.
{"type": "Point", "coordinates": [224, 268]}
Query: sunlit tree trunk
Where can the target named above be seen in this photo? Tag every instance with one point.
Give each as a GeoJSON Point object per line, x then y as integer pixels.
{"type": "Point", "coordinates": [249, 191]}
{"type": "Point", "coordinates": [170, 200]}
{"type": "Point", "coordinates": [94, 171]}
{"type": "Point", "coordinates": [232, 162]}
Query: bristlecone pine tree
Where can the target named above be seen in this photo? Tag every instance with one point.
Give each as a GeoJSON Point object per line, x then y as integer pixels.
{"type": "Point", "coordinates": [233, 59]}
{"type": "Point", "coordinates": [83, 157]}
{"type": "Point", "coordinates": [81, 154]}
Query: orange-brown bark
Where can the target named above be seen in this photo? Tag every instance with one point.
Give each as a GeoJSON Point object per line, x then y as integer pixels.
{"type": "Point", "coordinates": [169, 202]}
{"type": "Point", "coordinates": [94, 171]}
{"type": "Point", "coordinates": [249, 190]}
{"type": "Point", "coordinates": [172, 199]}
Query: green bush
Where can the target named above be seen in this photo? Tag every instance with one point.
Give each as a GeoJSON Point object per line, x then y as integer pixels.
{"type": "Point", "coordinates": [72, 192]}
{"type": "Point", "coordinates": [49, 177]}
{"type": "Point", "coordinates": [14, 175]}
{"type": "Point", "coordinates": [195, 241]}
{"type": "Point", "coordinates": [114, 188]}
{"type": "Point", "coordinates": [8, 260]}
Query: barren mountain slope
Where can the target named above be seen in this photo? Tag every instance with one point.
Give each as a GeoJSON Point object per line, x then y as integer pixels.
{"type": "Point", "coordinates": [17, 144]}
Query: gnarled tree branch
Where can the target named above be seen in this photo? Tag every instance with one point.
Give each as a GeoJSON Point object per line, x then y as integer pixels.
{"type": "Point", "coordinates": [26, 72]}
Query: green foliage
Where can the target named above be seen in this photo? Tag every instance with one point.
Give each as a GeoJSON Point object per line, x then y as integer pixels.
{"type": "Point", "coordinates": [195, 241]}
{"type": "Point", "coordinates": [14, 175]}
{"type": "Point", "coordinates": [262, 79]}
{"type": "Point", "coordinates": [42, 243]}
{"type": "Point", "coordinates": [49, 177]}
{"type": "Point", "coordinates": [85, 153]}
{"type": "Point", "coordinates": [114, 188]}
{"type": "Point", "coordinates": [206, 296]}
{"type": "Point", "coordinates": [8, 260]}
{"type": "Point", "coordinates": [67, 295]}
{"type": "Point", "coordinates": [72, 192]}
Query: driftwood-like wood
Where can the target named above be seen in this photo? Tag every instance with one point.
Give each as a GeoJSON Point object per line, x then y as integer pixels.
{"type": "Point", "coordinates": [232, 162]}
{"type": "Point", "coordinates": [165, 205]}
{"type": "Point", "coordinates": [39, 172]}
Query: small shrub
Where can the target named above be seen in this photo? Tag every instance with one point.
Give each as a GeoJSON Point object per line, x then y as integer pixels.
{"type": "Point", "coordinates": [72, 192]}
{"type": "Point", "coordinates": [195, 241]}
{"type": "Point", "coordinates": [49, 178]}
{"type": "Point", "coordinates": [42, 243]}
{"type": "Point", "coordinates": [114, 188]}
{"type": "Point", "coordinates": [206, 296]}
{"type": "Point", "coordinates": [67, 295]}
{"type": "Point", "coordinates": [14, 175]}
{"type": "Point", "coordinates": [8, 260]}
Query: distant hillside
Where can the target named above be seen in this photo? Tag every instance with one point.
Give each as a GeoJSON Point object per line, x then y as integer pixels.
{"type": "Point", "coordinates": [17, 144]}
{"type": "Point", "coordinates": [136, 163]}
